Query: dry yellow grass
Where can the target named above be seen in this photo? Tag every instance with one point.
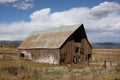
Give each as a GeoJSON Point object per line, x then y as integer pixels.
{"type": "Point", "coordinates": [9, 51]}
{"type": "Point", "coordinates": [11, 69]}
{"type": "Point", "coordinates": [106, 54]}
{"type": "Point", "coordinates": [15, 69]}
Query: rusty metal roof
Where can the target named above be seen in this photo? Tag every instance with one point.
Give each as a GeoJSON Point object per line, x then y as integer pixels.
{"type": "Point", "coordinates": [52, 38]}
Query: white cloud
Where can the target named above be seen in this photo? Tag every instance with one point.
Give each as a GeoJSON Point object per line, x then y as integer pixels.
{"type": "Point", "coordinates": [7, 1]}
{"type": "Point", "coordinates": [104, 9]}
{"type": "Point", "coordinates": [40, 15]}
{"type": "Point", "coordinates": [106, 28]}
{"type": "Point", "coordinates": [23, 5]}
{"type": "Point", "coordinates": [19, 4]}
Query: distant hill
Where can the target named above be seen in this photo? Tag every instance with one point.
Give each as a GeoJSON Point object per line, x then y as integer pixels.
{"type": "Point", "coordinates": [8, 42]}
{"type": "Point", "coordinates": [106, 45]}
{"type": "Point", "coordinates": [15, 43]}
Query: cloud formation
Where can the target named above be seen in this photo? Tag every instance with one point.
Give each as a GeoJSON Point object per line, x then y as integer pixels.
{"type": "Point", "coordinates": [23, 5]}
{"type": "Point", "coordinates": [104, 9]}
{"type": "Point", "coordinates": [105, 28]}
{"type": "Point", "coordinates": [19, 4]}
{"type": "Point", "coordinates": [7, 1]}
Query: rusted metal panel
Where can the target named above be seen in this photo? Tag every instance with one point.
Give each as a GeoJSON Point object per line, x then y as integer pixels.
{"type": "Point", "coordinates": [48, 38]}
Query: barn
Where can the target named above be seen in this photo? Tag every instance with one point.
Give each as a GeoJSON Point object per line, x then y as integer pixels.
{"type": "Point", "coordinates": [62, 45]}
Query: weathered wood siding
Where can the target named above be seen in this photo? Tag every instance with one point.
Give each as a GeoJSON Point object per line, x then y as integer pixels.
{"type": "Point", "coordinates": [78, 44]}
{"type": "Point", "coordinates": [67, 51]}
{"type": "Point", "coordinates": [44, 55]}
{"type": "Point", "coordinates": [86, 49]}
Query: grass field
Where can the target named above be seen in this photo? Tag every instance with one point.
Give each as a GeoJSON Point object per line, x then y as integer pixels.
{"type": "Point", "coordinates": [15, 69]}
{"type": "Point", "coordinates": [107, 54]}
{"type": "Point", "coordinates": [9, 51]}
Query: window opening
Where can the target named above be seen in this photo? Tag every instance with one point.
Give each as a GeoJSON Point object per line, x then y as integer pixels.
{"type": "Point", "coordinates": [76, 49]}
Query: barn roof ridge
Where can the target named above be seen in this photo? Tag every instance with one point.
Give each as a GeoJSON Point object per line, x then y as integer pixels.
{"type": "Point", "coordinates": [58, 29]}
{"type": "Point", "coordinates": [50, 38]}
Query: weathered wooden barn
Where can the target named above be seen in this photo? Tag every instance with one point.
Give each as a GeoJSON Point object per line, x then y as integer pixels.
{"type": "Point", "coordinates": [63, 45]}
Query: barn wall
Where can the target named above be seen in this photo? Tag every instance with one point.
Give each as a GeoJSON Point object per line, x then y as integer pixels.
{"type": "Point", "coordinates": [86, 49]}
{"type": "Point", "coordinates": [67, 51]}
{"type": "Point", "coordinates": [43, 55]}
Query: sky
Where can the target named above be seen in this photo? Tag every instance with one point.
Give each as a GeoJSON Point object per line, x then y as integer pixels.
{"type": "Point", "coordinates": [101, 18]}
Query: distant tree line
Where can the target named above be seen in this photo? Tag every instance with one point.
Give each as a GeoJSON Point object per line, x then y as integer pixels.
{"type": "Point", "coordinates": [8, 46]}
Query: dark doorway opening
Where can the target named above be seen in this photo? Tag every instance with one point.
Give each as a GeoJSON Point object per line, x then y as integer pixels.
{"type": "Point", "coordinates": [22, 55]}
{"type": "Point", "coordinates": [89, 56]}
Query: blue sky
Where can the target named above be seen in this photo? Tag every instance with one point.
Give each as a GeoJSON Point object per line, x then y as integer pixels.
{"type": "Point", "coordinates": [19, 18]}
{"type": "Point", "coordinates": [19, 14]}
{"type": "Point", "coordinates": [55, 5]}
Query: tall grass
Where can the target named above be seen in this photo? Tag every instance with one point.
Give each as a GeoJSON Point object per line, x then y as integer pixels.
{"type": "Point", "coordinates": [15, 69]}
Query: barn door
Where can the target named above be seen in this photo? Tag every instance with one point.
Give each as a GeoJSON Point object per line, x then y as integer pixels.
{"type": "Point", "coordinates": [77, 55]}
